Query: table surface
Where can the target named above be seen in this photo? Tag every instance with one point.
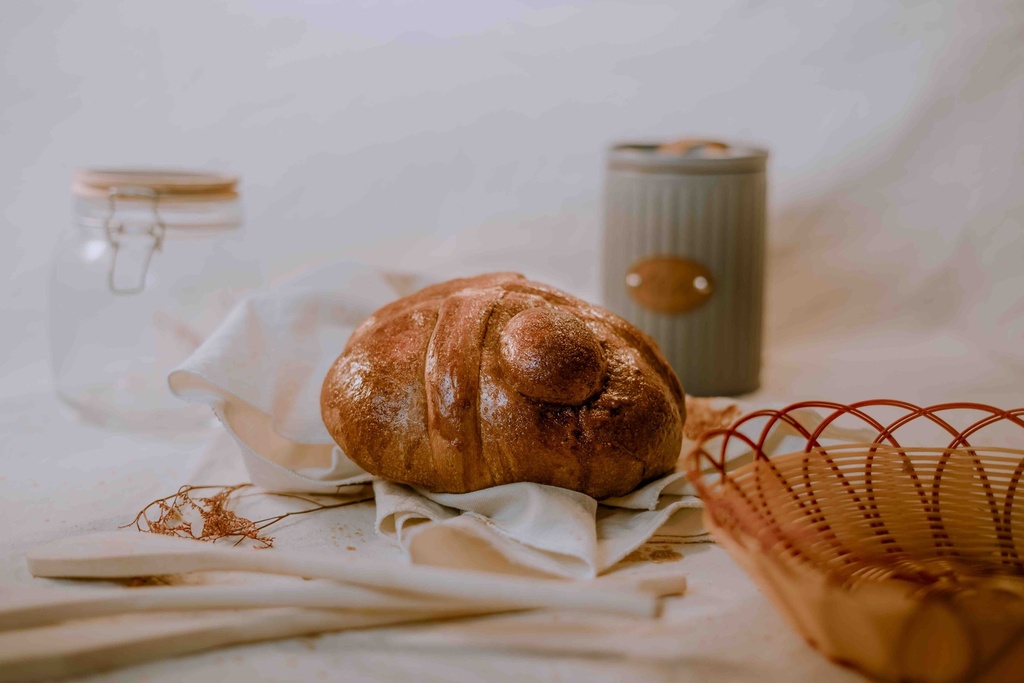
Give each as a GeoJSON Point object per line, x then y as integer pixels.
{"type": "Point", "coordinates": [60, 477]}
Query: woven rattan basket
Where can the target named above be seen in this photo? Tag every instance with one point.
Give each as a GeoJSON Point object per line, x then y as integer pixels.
{"type": "Point", "coordinates": [890, 536]}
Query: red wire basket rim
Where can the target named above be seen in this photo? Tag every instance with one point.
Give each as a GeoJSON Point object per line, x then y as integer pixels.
{"type": "Point", "coordinates": [749, 515]}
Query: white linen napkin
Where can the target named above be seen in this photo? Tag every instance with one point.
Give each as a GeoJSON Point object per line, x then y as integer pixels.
{"type": "Point", "coordinates": [261, 372]}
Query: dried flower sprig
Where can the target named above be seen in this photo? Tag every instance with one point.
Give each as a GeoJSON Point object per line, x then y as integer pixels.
{"type": "Point", "coordinates": [176, 514]}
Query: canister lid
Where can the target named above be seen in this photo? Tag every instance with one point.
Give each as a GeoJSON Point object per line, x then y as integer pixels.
{"type": "Point", "coordinates": [688, 156]}
{"type": "Point", "coordinates": [143, 183]}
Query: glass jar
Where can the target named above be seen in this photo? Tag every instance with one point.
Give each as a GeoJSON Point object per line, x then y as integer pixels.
{"type": "Point", "coordinates": [153, 263]}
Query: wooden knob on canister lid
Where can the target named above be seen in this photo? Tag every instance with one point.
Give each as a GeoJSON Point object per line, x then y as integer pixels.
{"type": "Point", "coordinates": [685, 145]}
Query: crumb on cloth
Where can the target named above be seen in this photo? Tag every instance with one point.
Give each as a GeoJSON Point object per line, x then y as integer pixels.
{"type": "Point", "coordinates": [654, 553]}
{"type": "Point", "coordinates": [702, 415]}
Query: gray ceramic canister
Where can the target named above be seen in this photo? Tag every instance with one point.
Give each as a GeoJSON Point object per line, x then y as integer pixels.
{"type": "Point", "coordinates": [684, 251]}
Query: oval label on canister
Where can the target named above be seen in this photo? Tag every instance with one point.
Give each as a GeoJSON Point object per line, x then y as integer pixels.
{"type": "Point", "coordinates": [669, 284]}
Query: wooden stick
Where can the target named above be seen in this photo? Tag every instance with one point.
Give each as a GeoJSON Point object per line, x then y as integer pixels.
{"type": "Point", "coordinates": [81, 647]}
{"type": "Point", "coordinates": [51, 607]}
{"type": "Point", "coordinates": [131, 554]}
{"type": "Point", "coordinates": [42, 608]}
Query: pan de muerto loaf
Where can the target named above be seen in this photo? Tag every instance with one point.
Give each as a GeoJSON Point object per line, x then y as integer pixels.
{"type": "Point", "coordinates": [496, 379]}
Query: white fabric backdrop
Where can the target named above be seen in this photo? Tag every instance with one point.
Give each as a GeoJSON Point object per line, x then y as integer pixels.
{"type": "Point", "coordinates": [468, 128]}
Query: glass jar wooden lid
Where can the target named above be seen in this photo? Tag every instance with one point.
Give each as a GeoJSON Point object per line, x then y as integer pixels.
{"type": "Point", "coordinates": [146, 183]}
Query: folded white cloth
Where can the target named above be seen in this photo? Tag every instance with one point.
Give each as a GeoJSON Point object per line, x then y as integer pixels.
{"type": "Point", "coordinates": [261, 373]}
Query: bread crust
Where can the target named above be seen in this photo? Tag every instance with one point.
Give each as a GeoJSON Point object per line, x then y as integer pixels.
{"type": "Point", "coordinates": [491, 380]}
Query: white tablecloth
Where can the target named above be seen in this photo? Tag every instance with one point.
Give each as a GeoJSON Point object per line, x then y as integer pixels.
{"type": "Point", "coordinates": [59, 477]}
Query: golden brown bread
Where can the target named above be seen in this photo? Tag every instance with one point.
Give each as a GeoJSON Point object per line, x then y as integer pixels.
{"type": "Point", "coordinates": [495, 379]}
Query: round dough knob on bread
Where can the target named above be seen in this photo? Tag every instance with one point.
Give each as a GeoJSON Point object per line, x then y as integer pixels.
{"type": "Point", "coordinates": [551, 355]}
{"type": "Point", "coordinates": [495, 379]}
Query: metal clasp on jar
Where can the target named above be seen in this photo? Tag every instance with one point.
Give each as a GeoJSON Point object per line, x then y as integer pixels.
{"type": "Point", "coordinates": [116, 233]}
